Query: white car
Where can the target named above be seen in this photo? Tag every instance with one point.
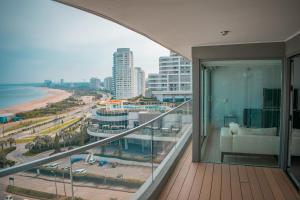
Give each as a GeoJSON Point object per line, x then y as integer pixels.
{"type": "Point", "coordinates": [53, 165]}
{"type": "Point", "coordinates": [80, 171]}
{"type": "Point", "coordinates": [92, 161]}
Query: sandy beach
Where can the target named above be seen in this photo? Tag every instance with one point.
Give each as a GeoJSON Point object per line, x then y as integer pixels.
{"type": "Point", "coordinates": [53, 95]}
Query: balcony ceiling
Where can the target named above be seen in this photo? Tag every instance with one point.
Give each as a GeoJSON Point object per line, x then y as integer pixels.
{"type": "Point", "coordinates": [182, 24]}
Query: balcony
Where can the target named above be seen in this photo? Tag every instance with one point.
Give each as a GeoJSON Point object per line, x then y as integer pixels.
{"type": "Point", "coordinates": [202, 181]}
{"type": "Point", "coordinates": [161, 167]}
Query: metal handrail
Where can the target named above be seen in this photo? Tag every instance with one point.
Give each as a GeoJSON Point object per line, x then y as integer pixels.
{"type": "Point", "coordinates": [42, 161]}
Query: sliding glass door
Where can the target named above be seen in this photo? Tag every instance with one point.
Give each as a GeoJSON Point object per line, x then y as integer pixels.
{"type": "Point", "coordinates": [240, 111]}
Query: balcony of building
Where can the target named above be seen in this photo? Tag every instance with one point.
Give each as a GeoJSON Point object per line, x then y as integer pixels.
{"type": "Point", "coordinates": [241, 136]}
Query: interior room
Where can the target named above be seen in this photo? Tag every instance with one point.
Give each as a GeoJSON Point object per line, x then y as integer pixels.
{"type": "Point", "coordinates": [241, 105]}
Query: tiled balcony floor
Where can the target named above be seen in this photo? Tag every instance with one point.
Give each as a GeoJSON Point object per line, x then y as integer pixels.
{"type": "Point", "coordinates": [206, 181]}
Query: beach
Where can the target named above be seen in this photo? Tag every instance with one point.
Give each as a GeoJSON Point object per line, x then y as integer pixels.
{"type": "Point", "coordinates": [53, 96]}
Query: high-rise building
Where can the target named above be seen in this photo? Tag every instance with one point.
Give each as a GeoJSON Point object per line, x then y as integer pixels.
{"type": "Point", "coordinates": [61, 81]}
{"type": "Point", "coordinates": [174, 80]}
{"type": "Point", "coordinates": [95, 83]}
{"type": "Point", "coordinates": [123, 78]}
{"type": "Point", "coordinates": [139, 81]}
{"type": "Point", "coordinates": [108, 83]}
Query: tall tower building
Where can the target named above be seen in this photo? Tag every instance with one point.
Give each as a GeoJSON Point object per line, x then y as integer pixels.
{"type": "Point", "coordinates": [123, 74]}
{"type": "Point", "coordinates": [139, 81]}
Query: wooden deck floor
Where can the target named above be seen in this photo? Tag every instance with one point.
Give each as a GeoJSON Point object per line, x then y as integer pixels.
{"type": "Point", "coordinates": [225, 182]}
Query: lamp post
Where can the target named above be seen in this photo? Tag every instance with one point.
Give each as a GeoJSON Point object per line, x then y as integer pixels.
{"type": "Point", "coordinates": [55, 183]}
{"type": "Point", "coordinates": [71, 178]}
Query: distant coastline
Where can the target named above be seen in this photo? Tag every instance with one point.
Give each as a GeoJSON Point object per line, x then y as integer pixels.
{"type": "Point", "coordinates": [52, 96]}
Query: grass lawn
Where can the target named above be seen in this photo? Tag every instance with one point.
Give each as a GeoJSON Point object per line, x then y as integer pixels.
{"type": "Point", "coordinates": [26, 123]}
{"type": "Point", "coordinates": [47, 131]}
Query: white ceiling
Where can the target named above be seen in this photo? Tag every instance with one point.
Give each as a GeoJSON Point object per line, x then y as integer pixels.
{"type": "Point", "coordinates": [182, 24]}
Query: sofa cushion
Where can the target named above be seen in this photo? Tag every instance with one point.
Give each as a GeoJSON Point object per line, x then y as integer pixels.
{"type": "Point", "coordinates": [258, 131]}
{"type": "Point", "coordinates": [234, 128]}
{"type": "Point", "coordinates": [254, 144]}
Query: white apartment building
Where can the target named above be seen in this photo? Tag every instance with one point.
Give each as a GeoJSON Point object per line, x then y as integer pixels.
{"type": "Point", "coordinates": [139, 81]}
{"type": "Point", "coordinates": [174, 80]}
{"type": "Point", "coordinates": [123, 74]}
{"type": "Point", "coordinates": [108, 84]}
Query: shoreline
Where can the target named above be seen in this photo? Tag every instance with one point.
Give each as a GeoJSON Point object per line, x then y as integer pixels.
{"type": "Point", "coordinates": [52, 96]}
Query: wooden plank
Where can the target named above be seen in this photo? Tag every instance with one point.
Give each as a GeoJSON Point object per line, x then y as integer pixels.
{"type": "Point", "coordinates": [264, 185]}
{"type": "Point", "coordinates": [254, 184]}
{"type": "Point", "coordinates": [290, 184]}
{"type": "Point", "coordinates": [173, 194]}
{"type": "Point", "coordinates": [243, 174]}
{"type": "Point", "coordinates": [226, 183]}
{"type": "Point", "coordinates": [246, 191]}
{"type": "Point", "coordinates": [235, 183]}
{"type": "Point", "coordinates": [198, 181]}
{"type": "Point", "coordinates": [216, 183]}
{"type": "Point", "coordinates": [273, 184]}
{"type": "Point", "coordinates": [207, 181]}
{"type": "Point", "coordinates": [188, 182]}
{"type": "Point", "coordinates": [165, 191]}
{"type": "Point", "coordinates": [284, 185]}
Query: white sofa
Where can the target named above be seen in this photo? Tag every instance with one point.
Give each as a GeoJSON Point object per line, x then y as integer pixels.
{"type": "Point", "coordinates": [263, 141]}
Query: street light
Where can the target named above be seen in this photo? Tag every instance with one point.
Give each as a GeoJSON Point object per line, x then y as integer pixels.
{"type": "Point", "coordinates": [55, 183]}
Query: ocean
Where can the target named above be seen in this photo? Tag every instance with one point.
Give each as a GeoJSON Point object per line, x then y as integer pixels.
{"type": "Point", "coordinates": [11, 95]}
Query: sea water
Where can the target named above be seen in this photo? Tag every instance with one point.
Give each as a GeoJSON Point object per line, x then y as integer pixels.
{"type": "Point", "coordinates": [11, 95]}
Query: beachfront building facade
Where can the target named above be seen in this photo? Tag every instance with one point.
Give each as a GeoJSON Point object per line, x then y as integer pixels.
{"type": "Point", "coordinates": [123, 74]}
{"type": "Point", "coordinates": [139, 84]}
{"type": "Point", "coordinates": [173, 83]}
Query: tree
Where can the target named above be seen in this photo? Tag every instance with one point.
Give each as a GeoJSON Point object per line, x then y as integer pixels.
{"type": "Point", "coordinates": [29, 146]}
{"type": "Point", "coordinates": [56, 143]}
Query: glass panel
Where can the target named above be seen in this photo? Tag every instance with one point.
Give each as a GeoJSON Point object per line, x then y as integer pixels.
{"type": "Point", "coordinates": [49, 181]}
{"type": "Point", "coordinates": [294, 147]}
{"type": "Point", "coordinates": [241, 104]}
{"type": "Point", "coordinates": [115, 170]}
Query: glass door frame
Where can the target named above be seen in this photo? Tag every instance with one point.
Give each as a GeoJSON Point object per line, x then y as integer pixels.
{"type": "Point", "coordinates": [290, 63]}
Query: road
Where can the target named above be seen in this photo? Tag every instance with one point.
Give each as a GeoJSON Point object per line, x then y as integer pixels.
{"type": "Point", "coordinates": [79, 112]}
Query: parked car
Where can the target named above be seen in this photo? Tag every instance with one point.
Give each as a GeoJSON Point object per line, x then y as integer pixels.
{"type": "Point", "coordinates": [80, 171]}
{"type": "Point", "coordinates": [92, 161]}
{"type": "Point", "coordinates": [53, 165]}
{"type": "Point", "coordinates": [114, 164]}
{"type": "Point", "coordinates": [66, 167]}
{"type": "Point", "coordinates": [102, 163]}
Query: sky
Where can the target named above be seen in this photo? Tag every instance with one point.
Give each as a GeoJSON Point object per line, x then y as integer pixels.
{"type": "Point", "coordinates": [43, 39]}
